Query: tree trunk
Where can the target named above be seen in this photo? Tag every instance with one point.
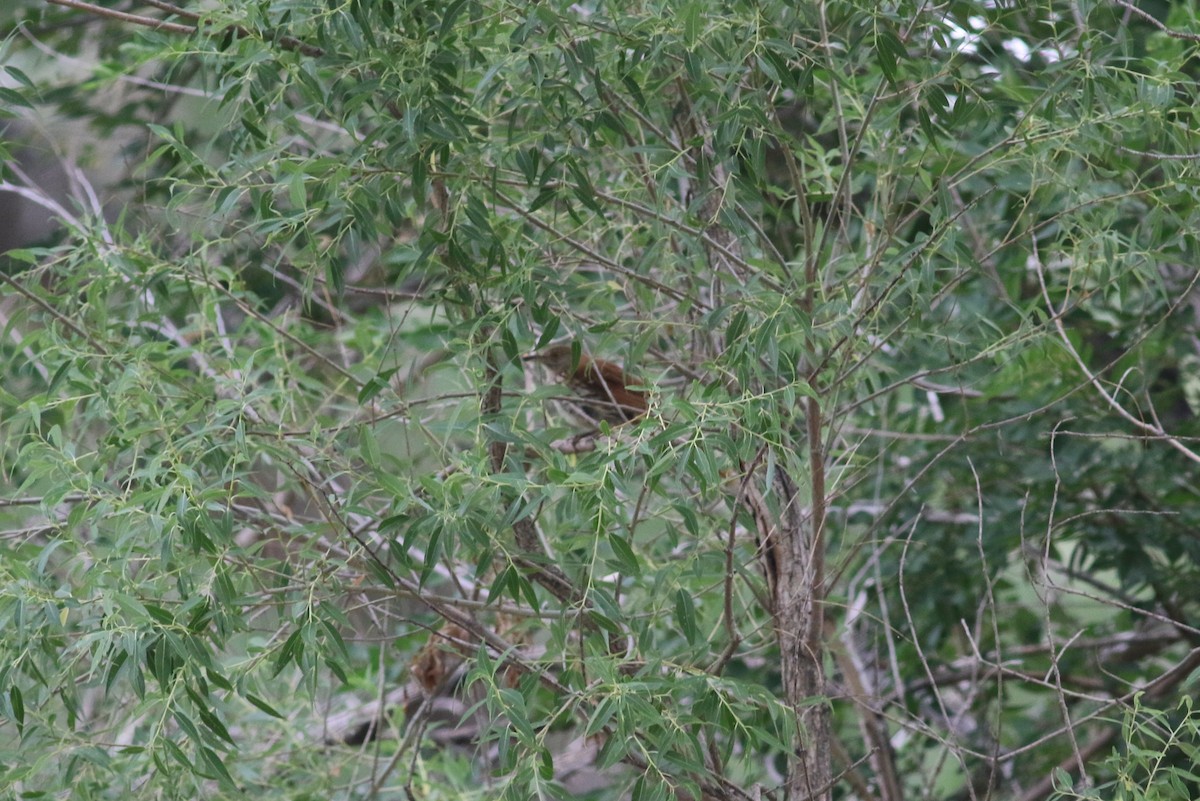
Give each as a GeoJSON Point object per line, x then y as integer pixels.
{"type": "Point", "coordinates": [799, 597]}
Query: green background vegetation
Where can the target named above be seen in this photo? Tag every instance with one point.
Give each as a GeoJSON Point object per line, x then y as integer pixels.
{"type": "Point", "coordinates": [270, 454]}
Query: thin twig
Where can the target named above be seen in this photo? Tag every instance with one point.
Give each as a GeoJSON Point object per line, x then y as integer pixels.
{"type": "Point", "coordinates": [121, 16]}
{"type": "Point", "coordinates": [1056, 318]}
{"type": "Point", "coordinates": [770, 557]}
{"type": "Point", "coordinates": [1174, 34]}
{"type": "Point", "coordinates": [173, 9]}
{"type": "Point", "coordinates": [284, 41]}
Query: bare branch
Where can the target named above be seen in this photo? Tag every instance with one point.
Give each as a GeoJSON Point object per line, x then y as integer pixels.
{"type": "Point", "coordinates": [121, 16]}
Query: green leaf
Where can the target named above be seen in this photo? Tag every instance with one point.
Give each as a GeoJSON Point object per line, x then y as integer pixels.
{"type": "Point", "coordinates": [626, 560]}
{"type": "Point", "coordinates": [20, 76]}
{"type": "Point", "coordinates": [16, 703]}
{"type": "Point", "coordinates": [264, 706]}
{"type": "Point", "coordinates": [685, 615]}
{"type": "Point", "coordinates": [14, 98]}
{"type": "Point", "coordinates": [291, 651]}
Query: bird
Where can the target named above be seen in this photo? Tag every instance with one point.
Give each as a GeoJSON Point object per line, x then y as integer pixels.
{"type": "Point", "coordinates": [601, 388]}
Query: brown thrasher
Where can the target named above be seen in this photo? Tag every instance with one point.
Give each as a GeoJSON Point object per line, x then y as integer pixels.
{"type": "Point", "coordinates": [601, 387]}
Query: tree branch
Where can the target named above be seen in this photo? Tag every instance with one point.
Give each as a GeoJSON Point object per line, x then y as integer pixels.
{"type": "Point", "coordinates": [121, 16]}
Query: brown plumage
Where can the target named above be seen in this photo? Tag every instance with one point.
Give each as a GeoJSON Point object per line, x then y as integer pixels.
{"type": "Point", "coordinates": [601, 387]}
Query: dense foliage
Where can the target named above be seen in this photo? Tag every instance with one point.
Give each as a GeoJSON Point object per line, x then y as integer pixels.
{"type": "Point", "coordinates": [289, 510]}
